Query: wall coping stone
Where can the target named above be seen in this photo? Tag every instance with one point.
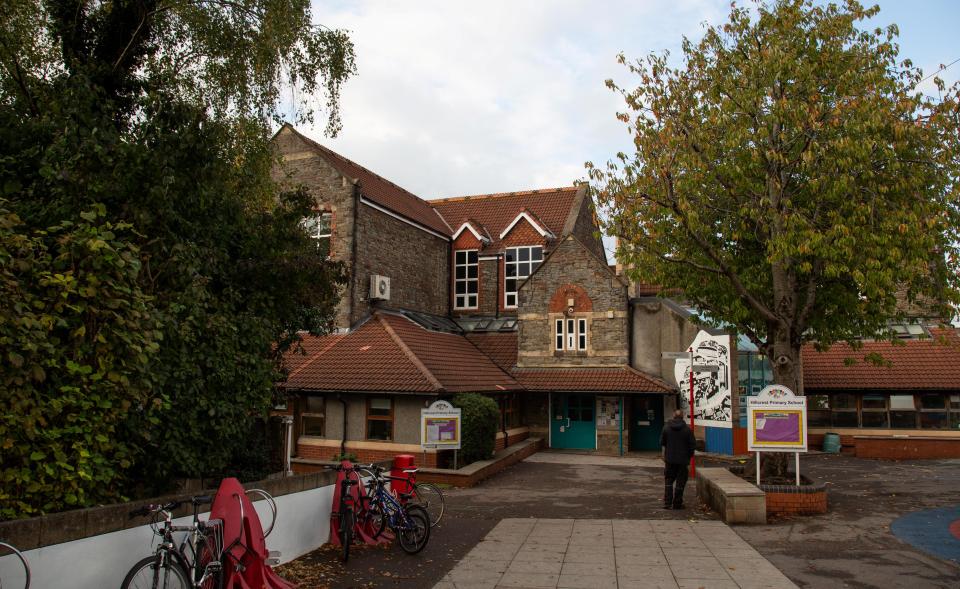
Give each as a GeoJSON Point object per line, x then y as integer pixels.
{"type": "Point", "coordinates": [475, 467]}
{"type": "Point", "coordinates": [67, 526]}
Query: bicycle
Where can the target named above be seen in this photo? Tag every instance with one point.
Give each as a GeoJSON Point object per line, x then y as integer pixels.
{"type": "Point", "coordinates": [194, 563]}
{"type": "Point", "coordinates": [23, 561]}
{"type": "Point", "coordinates": [409, 522]}
{"type": "Point", "coordinates": [429, 496]}
{"type": "Point", "coordinates": [345, 515]}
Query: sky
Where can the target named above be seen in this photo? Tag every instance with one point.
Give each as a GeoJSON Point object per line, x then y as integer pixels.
{"type": "Point", "coordinates": [454, 98]}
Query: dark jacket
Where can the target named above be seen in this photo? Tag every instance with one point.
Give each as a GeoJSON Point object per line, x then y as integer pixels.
{"type": "Point", "coordinates": [679, 441]}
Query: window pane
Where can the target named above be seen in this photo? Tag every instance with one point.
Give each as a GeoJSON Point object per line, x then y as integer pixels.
{"type": "Point", "coordinates": [510, 270]}
{"type": "Point", "coordinates": [933, 419]}
{"type": "Point", "coordinates": [537, 254]}
{"type": "Point", "coordinates": [955, 401]}
{"type": "Point", "coordinates": [380, 406]}
{"type": "Point", "coordinates": [818, 402]}
{"type": "Point", "coordinates": [461, 257]}
{"type": "Point", "coordinates": [874, 419]}
{"type": "Point", "coordinates": [314, 405]}
{"type": "Point", "coordinates": [933, 401]}
{"type": "Point", "coordinates": [523, 269]}
{"type": "Point", "coordinates": [461, 287]}
{"type": "Point", "coordinates": [472, 257]}
{"type": "Point", "coordinates": [461, 272]}
{"type": "Point", "coordinates": [523, 254]}
{"type": "Point", "coordinates": [843, 401]}
{"type": "Point", "coordinates": [818, 418]}
{"type": "Point", "coordinates": [461, 301]}
{"type": "Point", "coordinates": [473, 300]}
{"type": "Point", "coordinates": [472, 272]}
{"type": "Point", "coordinates": [511, 300]}
{"type": "Point", "coordinates": [903, 419]}
{"type": "Point", "coordinates": [955, 420]}
{"type": "Point", "coordinates": [379, 429]}
{"type": "Point", "coordinates": [845, 419]}
{"type": "Point", "coordinates": [472, 287]}
{"type": "Point", "coordinates": [904, 402]}
{"type": "Point", "coordinates": [534, 266]}
{"type": "Point", "coordinates": [511, 255]}
{"type": "Point", "coordinates": [312, 426]}
{"type": "Point", "coordinates": [874, 402]}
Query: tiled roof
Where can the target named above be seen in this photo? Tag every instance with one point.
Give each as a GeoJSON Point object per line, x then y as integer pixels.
{"type": "Point", "coordinates": [390, 353]}
{"type": "Point", "coordinates": [500, 347]}
{"type": "Point", "coordinates": [930, 364]}
{"type": "Point", "coordinates": [495, 212]}
{"type": "Point", "coordinates": [614, 379]}
{"type": "Point", "coordinates": [382, 191]}
{"type": "Point", "coordinates": [310, 345]}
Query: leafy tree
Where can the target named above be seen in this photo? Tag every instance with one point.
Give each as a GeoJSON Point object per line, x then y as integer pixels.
{"type": "Point", "coordinates": [789, 178]}
{"type": "Point", "coordinates": [479, 427]}
{"type": "Point", "coordinates": [155, 115]}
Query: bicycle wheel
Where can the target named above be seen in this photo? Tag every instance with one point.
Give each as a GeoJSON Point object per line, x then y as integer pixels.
{"type": "Point", "coordinates": [413, 530]}
{"type": "Point", "coordinates": [146, 574]}
{"type": "Point", "coordinates": [208, 565]}
{"type": "Point", "coordinates": [346, 531]}
{"type": "Point", "coordinates": [376, 519]}
{"type": "Point", "coordinates": [23, 561]}
{"type": "Point", "coordinates": [430, 498]}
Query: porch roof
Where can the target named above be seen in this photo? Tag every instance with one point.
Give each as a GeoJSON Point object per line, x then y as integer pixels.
{"type": "Point", "coordinates": [615, 379]}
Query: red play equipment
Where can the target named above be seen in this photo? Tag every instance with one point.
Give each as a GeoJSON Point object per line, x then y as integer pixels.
{"type": "Point", "coordinates": [244, 547]}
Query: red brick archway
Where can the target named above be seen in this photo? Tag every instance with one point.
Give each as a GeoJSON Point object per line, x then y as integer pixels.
{"type": "Point", "coordinates": [560, 299]}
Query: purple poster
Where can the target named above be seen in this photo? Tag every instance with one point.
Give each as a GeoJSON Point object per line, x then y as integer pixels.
{"type": "Point", "coordinates": [781, 427]}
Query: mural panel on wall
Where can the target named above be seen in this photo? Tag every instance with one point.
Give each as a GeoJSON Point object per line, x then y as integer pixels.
{"type": "Point", "coordinates": [711, 390]}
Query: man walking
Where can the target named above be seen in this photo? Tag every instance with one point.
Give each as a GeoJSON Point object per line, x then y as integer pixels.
{"type": "Point", "coordinates": [678, 444]}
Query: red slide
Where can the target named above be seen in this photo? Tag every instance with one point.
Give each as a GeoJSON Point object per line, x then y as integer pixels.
{"type": "Point", "coordinates": [246, 566]}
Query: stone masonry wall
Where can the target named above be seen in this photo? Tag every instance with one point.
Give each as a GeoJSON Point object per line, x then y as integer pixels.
{"type": "Point", "coordinates": [417, 263]}
{"type": "Point", "coordinates": [573, 264]}
{"type": "Point", "coordinates": [301, 166]}
{"type": "Point", "coordinates": [585, 228]}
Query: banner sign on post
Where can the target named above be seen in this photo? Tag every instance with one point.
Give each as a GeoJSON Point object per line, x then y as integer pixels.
{"type": "Point", "coordinates": [777, 421]}
{"type": "Point", "coordinates": [440, 426]}
{"type": "Point", "coordinates": [711, 379]}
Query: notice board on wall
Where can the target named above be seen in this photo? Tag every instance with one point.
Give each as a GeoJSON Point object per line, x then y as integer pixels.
{"type": "Point", "coordinates": [608, 414]}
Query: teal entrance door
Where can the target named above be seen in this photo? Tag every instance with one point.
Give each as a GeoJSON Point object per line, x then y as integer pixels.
{"type": "Point", "coordinates": [572, 424]}
{"type": "Point", "coordinates": [646, 422]}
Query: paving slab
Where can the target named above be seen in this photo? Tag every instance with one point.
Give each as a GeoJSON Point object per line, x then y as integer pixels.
{"type": "Point", "coordinates": [598, 554]}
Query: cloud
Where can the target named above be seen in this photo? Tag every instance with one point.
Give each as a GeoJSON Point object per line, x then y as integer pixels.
{"type": "Point", "coordinates": [457, 98]}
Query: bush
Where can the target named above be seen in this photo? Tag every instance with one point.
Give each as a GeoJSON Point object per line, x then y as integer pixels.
{"type": "Point", "coordinates": [481, 419]}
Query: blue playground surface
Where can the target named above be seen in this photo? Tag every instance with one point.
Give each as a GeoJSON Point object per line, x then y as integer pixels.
{"type": "Point", "coordinates": [936, 531]}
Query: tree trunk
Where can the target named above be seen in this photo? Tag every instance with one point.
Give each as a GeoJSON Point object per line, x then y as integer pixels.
{"type": "Point", "coordinates": [784, 353]}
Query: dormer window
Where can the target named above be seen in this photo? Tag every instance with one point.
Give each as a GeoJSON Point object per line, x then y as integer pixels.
{"type": "Point", "coordinates": [318, 228]}
{"type": "Point", "coordinates": [519, 264]}
{"type": "Point", "coordinates": [465, 279]}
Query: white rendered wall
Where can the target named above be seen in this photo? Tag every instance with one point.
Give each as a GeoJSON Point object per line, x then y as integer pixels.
{"type": "Point", "coordinates": [100, 562]}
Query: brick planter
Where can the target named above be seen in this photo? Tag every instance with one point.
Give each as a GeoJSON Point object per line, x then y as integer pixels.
{"type": "Point", "coordinates": [807, 499]}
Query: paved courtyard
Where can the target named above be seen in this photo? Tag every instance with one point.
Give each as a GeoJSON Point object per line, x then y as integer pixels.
{"type": "Point", "coordinates": [850, 546]}
{"type": "Point", "coordinates": [603, 553]}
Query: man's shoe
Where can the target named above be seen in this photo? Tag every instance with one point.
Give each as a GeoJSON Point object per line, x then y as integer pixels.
{"type": "Point", "coordinates": [678, 506]}
{"type": "Point", "coordinates": [668, 506]}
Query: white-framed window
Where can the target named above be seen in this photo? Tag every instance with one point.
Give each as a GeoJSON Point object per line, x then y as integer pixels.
{"type": "Point", "coordinates": [318, 228]}
{"type": "Point", "coordinates": [519, 263]}
{"type": "Point", "coordinates": [570, 334]}
{"type": "Point", "coordinates": [465, 279]}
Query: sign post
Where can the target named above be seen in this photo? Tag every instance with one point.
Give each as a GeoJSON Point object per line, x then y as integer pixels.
{"type": "Point", "coordinates": [440, 428]}
{"type": "Point", "coordinates": [777, 422]}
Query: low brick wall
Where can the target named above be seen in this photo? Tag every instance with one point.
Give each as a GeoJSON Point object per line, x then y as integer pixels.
{"type": "Point", "coordinates": [736, 500]}
{"type": "Point", "coordinates": [513, 436]}
{"type": "Point", "coordinates": [472, 474]}
{"type": "Point", "coordinates": [807, 499]}
{"type": "Point", "coordinates": [903, 448]}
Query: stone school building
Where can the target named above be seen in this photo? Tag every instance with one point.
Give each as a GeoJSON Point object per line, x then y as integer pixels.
{"type": "Point", "coordinates": [510, 295]}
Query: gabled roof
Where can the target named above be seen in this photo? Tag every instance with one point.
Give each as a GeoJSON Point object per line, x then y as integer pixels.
{"type": "Point", "coordinates": [926, 364]}
{"type": "Point", "coordinates": [616, 379]}
{"type": "Point", "coordinates": [380, 190]}
{"type": "Point", "coordinates": [549, 207]}
{"type": "Point", "coordinates": [531, 218]}
{"type": "Point", "coordinates": [391, 353]}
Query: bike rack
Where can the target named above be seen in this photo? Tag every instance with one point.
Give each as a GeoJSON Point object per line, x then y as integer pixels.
{"type": "Point", "coordinates": [273, 507]}
{"type": "Point", "coordinates": [23, 561]}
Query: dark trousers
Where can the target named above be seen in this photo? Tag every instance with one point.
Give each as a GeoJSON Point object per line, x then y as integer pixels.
{"type": "Point", "coordinates": [674, 480]}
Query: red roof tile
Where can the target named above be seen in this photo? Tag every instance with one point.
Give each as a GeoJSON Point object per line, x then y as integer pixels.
{"type": "Point", "coordinates": [501, 347]}
{"type": "Point", "coordinates": [495, 212]}
{"type": "Point", "coordinates": [382, 191]}
{"type": "Point", "coordinates": [621, 379]}
{"type": "Point", "coordinates": [932, 364]}
{"type": "Point", "coordinates": [390, 353]}
{"type": "Point", "coordinates": [310, 345]}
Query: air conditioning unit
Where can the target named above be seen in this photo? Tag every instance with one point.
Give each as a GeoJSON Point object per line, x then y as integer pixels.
{"type": "Point", "coordinates": [379, 287]}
